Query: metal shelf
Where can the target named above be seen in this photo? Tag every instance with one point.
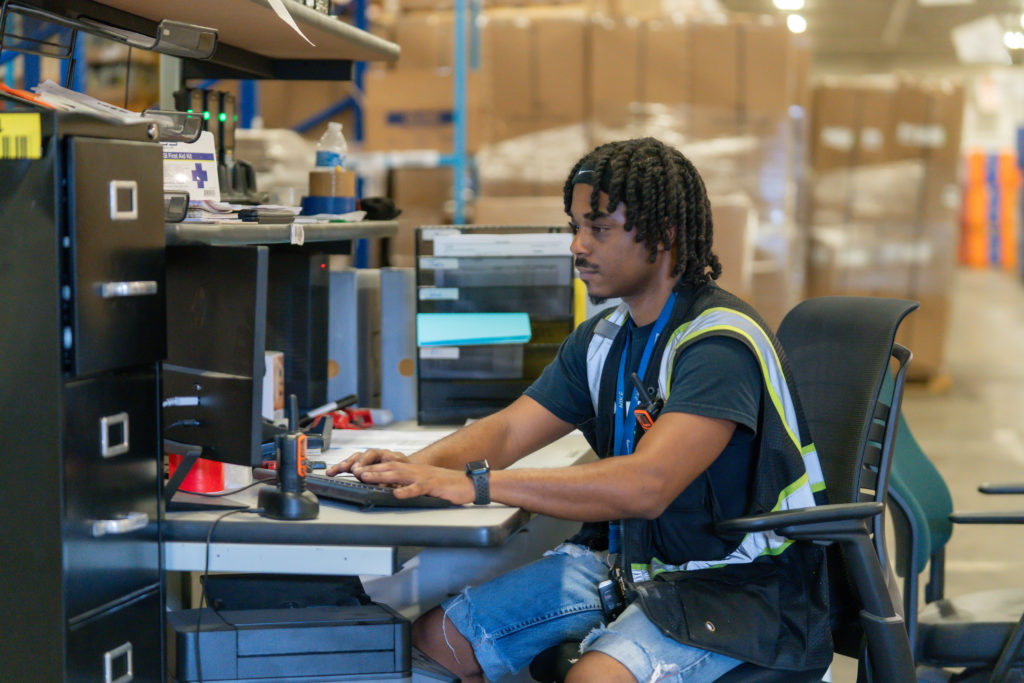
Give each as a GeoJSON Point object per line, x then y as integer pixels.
{"type": "Point", "coordinates": [221, 234]}
{"type": "Point", "coordinates": [253, 42]}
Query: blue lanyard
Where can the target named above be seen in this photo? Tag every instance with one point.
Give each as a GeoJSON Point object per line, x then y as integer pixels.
{"type": "Point", "coordinates": [625, 417]}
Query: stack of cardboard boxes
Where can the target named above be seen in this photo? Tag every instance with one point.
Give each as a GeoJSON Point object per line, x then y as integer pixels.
{"type": "Point", "coordinates": [885, 200]}
{"type": "Point", "coordinates": [554, 81]}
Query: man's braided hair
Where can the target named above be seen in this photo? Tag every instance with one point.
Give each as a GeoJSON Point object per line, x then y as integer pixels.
{"type": "Point", "coordinates": [661, 189]}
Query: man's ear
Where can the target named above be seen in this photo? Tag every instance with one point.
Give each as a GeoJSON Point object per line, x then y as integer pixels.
{"type": "Point", "coordinates": [671, 239]}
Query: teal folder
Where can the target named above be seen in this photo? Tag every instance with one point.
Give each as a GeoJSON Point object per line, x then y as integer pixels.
{"type": "Point", "coordinates": [468, 329]}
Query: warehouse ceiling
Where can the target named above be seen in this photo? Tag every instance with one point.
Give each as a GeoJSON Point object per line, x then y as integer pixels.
{"type": "Point", "coordinates": [881, 35]}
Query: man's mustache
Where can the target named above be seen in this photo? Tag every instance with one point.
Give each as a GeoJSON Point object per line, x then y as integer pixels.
{"type": "Point", "coordinates": [581, 262]}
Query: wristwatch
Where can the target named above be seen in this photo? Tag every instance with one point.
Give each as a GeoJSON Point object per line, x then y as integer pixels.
{"type": "Point", "coordinates": [479, 471]}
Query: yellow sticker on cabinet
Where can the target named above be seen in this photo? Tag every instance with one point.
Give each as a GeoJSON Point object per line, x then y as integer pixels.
{"type": "Point", "coordinates": [20, 136]}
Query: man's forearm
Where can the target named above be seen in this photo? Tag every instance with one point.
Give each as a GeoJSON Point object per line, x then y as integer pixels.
{"type": "Point", "coordinates": [486, 438]}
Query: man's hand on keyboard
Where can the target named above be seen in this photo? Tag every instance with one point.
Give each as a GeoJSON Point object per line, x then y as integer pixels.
{"type": "Point", "coordinates": [413, 479]}
{"type": "Point", "coordinates": [357, 461]}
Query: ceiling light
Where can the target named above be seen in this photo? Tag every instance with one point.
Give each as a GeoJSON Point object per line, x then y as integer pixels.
{"type": "Point", "coordinates": [1014, 40]}
{"type": "Point", "coordinates": [789, 5]}
{"type": "Point", "coordinates": [796, 23]}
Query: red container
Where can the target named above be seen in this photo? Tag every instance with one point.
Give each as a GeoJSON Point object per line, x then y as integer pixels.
{"type": "Point", "coordinates": [207, 476]}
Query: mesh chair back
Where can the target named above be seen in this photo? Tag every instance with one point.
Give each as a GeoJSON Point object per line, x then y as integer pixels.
{"type": "Point", "coordinates": [839, 349]}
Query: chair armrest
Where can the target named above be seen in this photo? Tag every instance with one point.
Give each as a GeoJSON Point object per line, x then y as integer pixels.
{"type": "Point", "coordinates": [822, 522]}
{"type": "Point", "coordinates": [985, 517]}
{"type": "Point", "coordinates": [848, 525]}
{"type": "Point", "coordinates": [1001, 488]}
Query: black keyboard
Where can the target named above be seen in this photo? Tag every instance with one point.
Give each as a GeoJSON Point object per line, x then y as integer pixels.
{"type": "Point", "coordinates": [366, 496]}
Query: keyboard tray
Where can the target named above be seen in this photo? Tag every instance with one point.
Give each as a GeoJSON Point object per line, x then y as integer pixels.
{"type": "Point", "coordinates": [366, 496]}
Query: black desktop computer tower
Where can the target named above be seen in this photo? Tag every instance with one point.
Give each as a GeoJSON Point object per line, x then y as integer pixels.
{"type": "Point", "coordinates": [297, 307]}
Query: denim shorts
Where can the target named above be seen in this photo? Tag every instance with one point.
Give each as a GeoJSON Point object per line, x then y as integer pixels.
{"type": "Point", "coordinates": [512, 618]}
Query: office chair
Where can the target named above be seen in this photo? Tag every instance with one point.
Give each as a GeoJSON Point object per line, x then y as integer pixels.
{"type": "Point", "coordinates": [983, 632]}
{"type": "Point", "coordinates": [839, 351]}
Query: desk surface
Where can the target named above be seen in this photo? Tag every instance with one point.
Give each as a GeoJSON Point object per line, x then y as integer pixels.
{"type": "Point", "coordinates": [345, 534]}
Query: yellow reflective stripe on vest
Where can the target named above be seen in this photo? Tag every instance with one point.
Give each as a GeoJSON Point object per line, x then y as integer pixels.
{"type": "Point", "coordinates": [734, 322]}
{"type": "Point", "coordinates": [600, 345]}
{"type": "Point", "coordinates": [798, 494]}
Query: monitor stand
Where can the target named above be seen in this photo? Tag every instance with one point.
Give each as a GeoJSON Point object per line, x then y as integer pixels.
{"type": "Point", "coordinates": [177, 500]}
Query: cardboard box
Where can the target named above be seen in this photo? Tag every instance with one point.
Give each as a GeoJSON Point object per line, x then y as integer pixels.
{"type": "Point", "coordinates": [507, 62]}
{"type": "Point", "coordinates": [615, 72]}
{"type": "Point", "coordinates": [286, 104]}
{"type": "Point", "coordinates": [890, 261]}
{"type": "Point", "coordinates": [924, 332]}
{"type": "Point", "coordinates": [560, 68]}
{"type": "Point", "coordinates": [834, 126]}
{"type": "Point", "coordinates": [525, 94]}
{"type": "Point", "coordinates": [874, 113]}
{"type": "Point", "coordinates": [800, 58]}
{"type": "Point", "coordinates": [412, 109]}
{"type": "Point", "coordinates": [927, 120]}
{"type": "Point", "coordinates": [425, 39]}
{"type": "Point", "coordinates": [668, 64]}
{"type": "Point", "coordinates": [273, 385]}
{"type": "Point", "coordinates": [716, 72]}
{"type": "Point", "coordinates": [734, 223]}
{"type": "Point", "coordinates": [422, 194]}
{"type": "Point", "coordinates": [765, 68]}
{"type": "Point", "coordinates": [519, 211]}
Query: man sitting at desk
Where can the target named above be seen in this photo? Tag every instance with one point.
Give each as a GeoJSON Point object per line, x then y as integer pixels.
{"type": "Point", "coordinates": [687, 603]}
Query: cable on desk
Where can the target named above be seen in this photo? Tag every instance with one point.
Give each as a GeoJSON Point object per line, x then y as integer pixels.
{"type": "Point", "coordinates": [202, 590]}
{"type": "Point", "coordinates": [220, 494]}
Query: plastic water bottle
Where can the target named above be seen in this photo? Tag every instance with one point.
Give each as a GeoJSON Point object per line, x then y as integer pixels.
{"type": "Point", "coordinates": [332, 148]}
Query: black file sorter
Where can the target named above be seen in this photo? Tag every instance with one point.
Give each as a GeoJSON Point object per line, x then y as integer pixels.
{"type": "Point", "coordinates": [490, 269]}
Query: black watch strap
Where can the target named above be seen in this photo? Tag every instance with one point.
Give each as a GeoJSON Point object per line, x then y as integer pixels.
{"type": "Point", "coordinates": [480, 472]}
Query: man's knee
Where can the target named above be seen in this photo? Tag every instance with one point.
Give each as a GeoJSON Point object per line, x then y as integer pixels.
{"type": "Point", "coordinates": [438, 638]}
{"type": "Point", "coordinates": [597, 666]}
{"type": "Point", "coordinates": [429, 636]}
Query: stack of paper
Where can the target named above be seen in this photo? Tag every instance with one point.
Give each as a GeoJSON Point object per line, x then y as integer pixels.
{"type": "Point", "coordinates": [212, 212]}
{"type": "Point", "coordinates": [63, 99]}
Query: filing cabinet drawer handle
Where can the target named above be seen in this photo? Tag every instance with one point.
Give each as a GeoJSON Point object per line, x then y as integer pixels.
{"type": "Point", "coordinates": [132, 521]}
{"type": "Point", "coordinates": [108, 447]}
{"type": "Point", "coordinates": [109, 656]}
{"type": "Point", "coordinates": [112, 290]}
{"type": "Point", "coordinates": [124, 200]}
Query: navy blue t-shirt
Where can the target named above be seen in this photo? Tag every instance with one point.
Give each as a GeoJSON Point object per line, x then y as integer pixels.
{"type": "Point", "coordinates": [715, 377]}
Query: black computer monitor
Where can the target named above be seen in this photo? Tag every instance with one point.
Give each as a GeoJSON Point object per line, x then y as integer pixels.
{"type": "Point", "coordinates": [216, 338]}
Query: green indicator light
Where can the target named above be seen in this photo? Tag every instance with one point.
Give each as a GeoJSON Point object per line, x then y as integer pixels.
{"type": "Point", "coordinates": [236, 117]}
{"type": "Point", "coordinates": [223, 117]}
{"type": "Point", "coordinates": [206, 116]}
{"type": "Point", "coordinates": [189, 111]}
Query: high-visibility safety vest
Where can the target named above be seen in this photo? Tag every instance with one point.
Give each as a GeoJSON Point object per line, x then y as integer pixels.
{"type": "Point", "coordinates": [760, 598]}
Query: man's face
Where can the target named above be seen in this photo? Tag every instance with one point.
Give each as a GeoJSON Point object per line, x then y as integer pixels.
{"type": "Point", "coordinates": [609, 259]}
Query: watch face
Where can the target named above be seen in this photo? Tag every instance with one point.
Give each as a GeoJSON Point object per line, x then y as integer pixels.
{"type": "Point", "coordinates": [477, 467]}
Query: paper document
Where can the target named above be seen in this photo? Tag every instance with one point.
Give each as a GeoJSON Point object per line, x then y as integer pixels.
{"type": "Point", "coordinates": [281, 11]}
{"type": "Point", "coordinates": [345, 442]}
{"type": "Point", "coordinates": [63, 99]}
{"type": "Point", "coordinates": [350, 217]}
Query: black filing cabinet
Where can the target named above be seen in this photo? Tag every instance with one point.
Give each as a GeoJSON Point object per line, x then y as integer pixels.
{"type": "Point", "coordinates": [83, 331]}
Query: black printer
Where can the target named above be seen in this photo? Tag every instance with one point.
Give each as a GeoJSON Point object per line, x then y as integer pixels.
{"type": "Point", "coordinates": [365, 643]}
